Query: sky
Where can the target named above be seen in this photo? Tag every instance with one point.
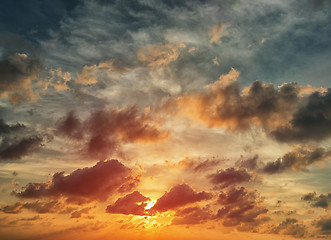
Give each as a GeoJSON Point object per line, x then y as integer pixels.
{"type": "Point", "coordinates": [146, 119]}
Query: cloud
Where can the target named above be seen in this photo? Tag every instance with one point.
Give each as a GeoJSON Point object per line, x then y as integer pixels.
{"type": "Point", "coordinates": [79, 213]}
{"type": "Point", "coordinates": [17, 72]}
{"type": "Point", "coordinates": [95, 183]}
{"type": "Point", "coordinates": [5, 128]}
{"type": "Point", "coordinates": [196, 165]}
{"type": "Point", "coordinates": [160, 55]}
{"type": "Point", "coordinates": [324, 223]}
{"type": "Point", "coordinates": [290, 227]}
{"type": "Point", "coordinates": [104, 131]}
{"type": "Point", "coordinates": [224, 104]}
{"type": "Point", "coordinates": [178, 196]}
{"type": "Point", "coordinates": [322, 201]}
{"type": "Point", "coordinates": [91, 75]}
{"type": "Point", "coordinates": [297, 159]}
{"type": "Point", "coordinates": [216, 33]}
{"type": "Point", "coordinates": [192, 215]}
{"type": "Point", "coordinates": [229, 176]}
{"type": "Point", "coordinates": [310, 122]}
{"type": "Point", "coordinates": [17, 141]}
{"type": "Point", "coordinates": [14, 208]}
{"type": "Point", "coordinates": [240, 206]}
{"type": "Point", "coordinates": [250, 163]}
{"type": "Point", "coordinates": [133, 203]}
{"type": "Point", "coordinates": [15, 149]}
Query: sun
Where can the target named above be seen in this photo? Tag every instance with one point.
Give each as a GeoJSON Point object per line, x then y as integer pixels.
{"type": "Point", "coordinates": [150, 204]}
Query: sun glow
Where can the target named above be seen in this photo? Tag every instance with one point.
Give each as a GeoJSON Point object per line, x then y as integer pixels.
{"type": "Point", "coordinates": [150, 204]}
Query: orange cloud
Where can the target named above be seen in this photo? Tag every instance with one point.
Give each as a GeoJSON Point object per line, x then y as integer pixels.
{"type": "Point", "coordinates": [160, 55]}
{"type": "Point", "coordinates": [216, 33]}
{"type": "Point", "coordinates": [91, 74]}
{"type": "Point", "coordinates": [84, 185]}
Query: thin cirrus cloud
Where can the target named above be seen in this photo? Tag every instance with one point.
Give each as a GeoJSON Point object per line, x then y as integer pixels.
{"type": "Point", "coordinates": [85, 185]}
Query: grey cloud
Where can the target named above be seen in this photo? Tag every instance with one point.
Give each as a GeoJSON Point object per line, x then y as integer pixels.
{"type": "Point", "coordinates": [290, 226]}
{"type": "Point", "coordinates": [229, 176]}
{"type": "Point", "coordinates": [322, 201]}
{"type": "Point", "coordinates": [310, 122]}
{"type": "Point", "coordinates": [297, 159]}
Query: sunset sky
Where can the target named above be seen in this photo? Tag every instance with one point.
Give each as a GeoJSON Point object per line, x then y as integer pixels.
{"type": "Point", "coordinates": [165, 119]}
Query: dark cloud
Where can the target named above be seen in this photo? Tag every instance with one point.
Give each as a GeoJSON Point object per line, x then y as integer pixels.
{"type": "Point", "coordinates": [290, 227]}
{"type": "Point", "coordinates": [105, 130]}
{"type": "Point", "coordinates": [43, 207]}
{"type": "Point", "coordinates": [298, 159]}
{"type": "Point", "coordinates": [322, 201]}
{"type": "Point", "coordinates": [310, 122]}
{"type": "Point", "coordinates": [17, 141]}
{"type": "Point", "coordinates": [324, 224]}
{"type": "Point", "coordinates": [192, 215]}
{"type": "Point", "coordinates": [225, 105]}
{"type": "Point", "coordinates": [240, 206]}
{"type": "Point", "coordinates": [5, 128]}
{"type": "Point", "coordinates": [178, 196]}
{"type": "Point", "coordinates": [133, 203]}
{"type": "Point", "coordinates": [79, 213]}
{"type": "Point", "coordinates": [84, 185]}
{"type": "Point", "coordinates": [229, 176]}
{"type": "Point", "coordinates": [70, 126]}
{"type": "Point", "coordinates": [14, 208]}
{"type": "Point", "coordinates": [16, 149]}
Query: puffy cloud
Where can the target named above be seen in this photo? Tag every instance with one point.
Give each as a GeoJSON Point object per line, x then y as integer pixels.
{"type": "Point", "coordinates": [290, 226]}
{"type": "Point", "coordinates": [192, 215]}
{"type": "Point", "coordinates": [322, 201]}
{"type": "Point", "coordinates": [310, 122]}
{"type": "Point", "coordinates": [17, 72]}
{"type": "Point", "coordinates": [216, 33]}
{"type": "Point", "coordinates": [297, 159]}
{"type": "Point", "coordinates": [104, 130]}
{"type": "Point", "coordinates": [16, 149]}
{"type": "Point", "coordinates": [223, 104]}
{"type": "Point", "coordinates": [178, 196]}
{"type": "Point", "coordinates": [240, 206]}
{"type": "Point", "coordinates": [133, 203]}
{"type": "Point", "coordinates": [16, 142]}
{"type": "Point", "coordinates": [229, 176]}
{"type": "Point", "coordinates": [84, 185]}
{"type": "Point", "coordinates": [324, 223]}
{"type": "Point", "coordinates": [160, 55]}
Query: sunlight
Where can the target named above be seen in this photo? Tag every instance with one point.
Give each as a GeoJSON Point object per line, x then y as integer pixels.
{"type": "Point", "coordinates": [150, 204]}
